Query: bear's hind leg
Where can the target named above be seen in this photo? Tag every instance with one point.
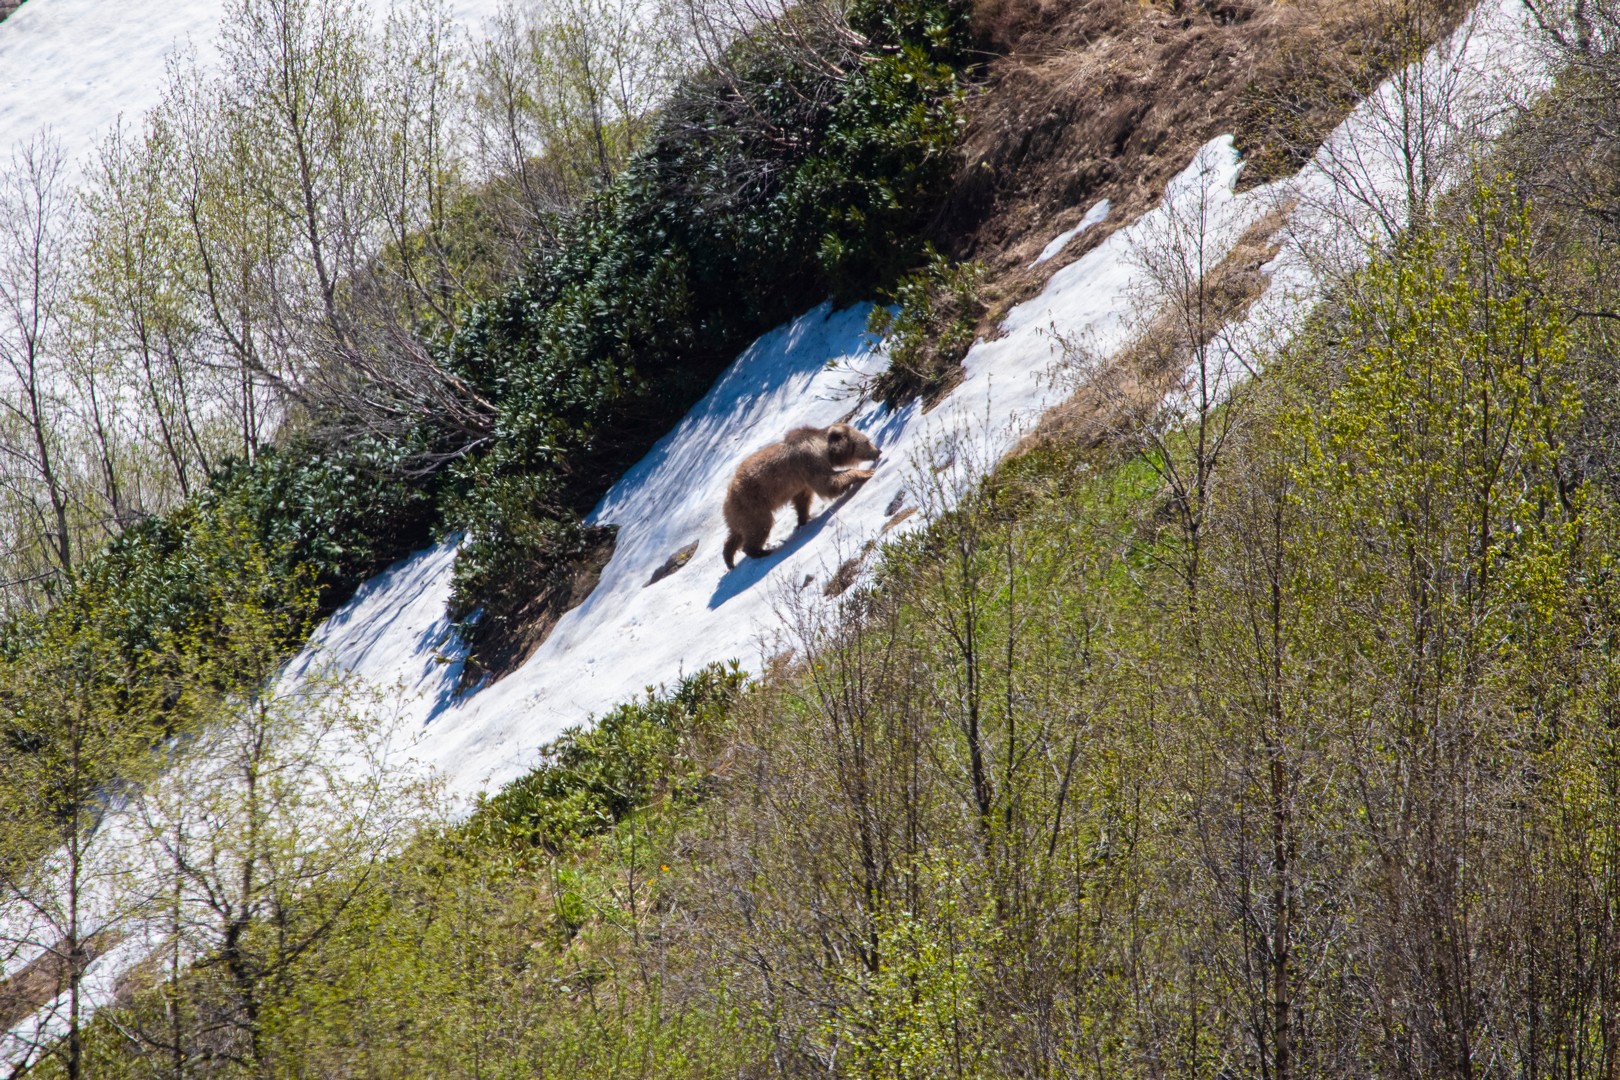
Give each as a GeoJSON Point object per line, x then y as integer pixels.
{"type": "Point", "coordinates": [801, 505]}
{"type": "Point", "coordinates": [733, 542]}
{"type": "Point", "coordinates": [754, 532]}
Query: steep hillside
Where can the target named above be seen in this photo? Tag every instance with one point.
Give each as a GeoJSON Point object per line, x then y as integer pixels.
{"type": "Point", "coordinates": [1137, 272]}
{"type": "Point", "coordinates": [634, 632]}
{"type": "Point", "coordinates": [1272, 736]}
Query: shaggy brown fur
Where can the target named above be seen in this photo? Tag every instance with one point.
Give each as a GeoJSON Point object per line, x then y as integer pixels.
{"type": "Point", "coordinates": [803, 464]}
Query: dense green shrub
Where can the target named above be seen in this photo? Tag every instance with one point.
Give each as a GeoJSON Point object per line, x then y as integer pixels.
{"type": "Point", "coordinates": [594, 777]}
{"type": "Point", "coordinates": [289, 535]}
{"type": "Point", "coordinates": [345, 513]}
{"type": "Point", "coordinates": [317, 515]}
{"type": "Point", "coordinates": [930, 328]}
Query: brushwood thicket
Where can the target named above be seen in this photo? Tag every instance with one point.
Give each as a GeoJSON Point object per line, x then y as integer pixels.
{"type": "Point", "coordinates": [1274, 738]}
{"type": "Point", "coordinates": [758, 194]}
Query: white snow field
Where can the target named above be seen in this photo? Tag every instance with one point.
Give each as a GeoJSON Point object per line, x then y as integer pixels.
{"type": "Point", "coordinates": [629, 635]}
{"type": "Point", "coordinates": [70, 69]}
{"type": "Point", "coordinates": [1355, 195]}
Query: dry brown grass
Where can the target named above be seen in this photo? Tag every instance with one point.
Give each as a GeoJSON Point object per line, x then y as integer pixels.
{"type": "Point", "coordinates": [43, 980]}
{"type": "Point", "coordinates": [1092, 99]}
{"type": "Point", "coordinates": [1114, 401]}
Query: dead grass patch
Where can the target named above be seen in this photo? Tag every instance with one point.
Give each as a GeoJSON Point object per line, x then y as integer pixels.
{"type": "Point", "coordinates": [44, 979]}
{"type": "Point", "coordinates": [1093, 99]}
{"type": "Point", "coordinates": [1116, 398]}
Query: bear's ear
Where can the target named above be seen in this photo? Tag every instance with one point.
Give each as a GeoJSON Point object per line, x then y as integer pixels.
{"type": "Point", "coordinates": [836, 439]}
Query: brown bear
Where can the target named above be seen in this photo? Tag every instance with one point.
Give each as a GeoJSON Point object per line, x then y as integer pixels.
{"type": "Point", "coordinates": [802, 464]}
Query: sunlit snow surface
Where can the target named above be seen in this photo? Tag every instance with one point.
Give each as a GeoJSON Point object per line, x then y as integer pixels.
{"type": "Point", "coordinates": [70, 68]}
{"type": "Point", "coordinates": [1095, 216]}
{"type": "Point", "coordinates": [628, 636]}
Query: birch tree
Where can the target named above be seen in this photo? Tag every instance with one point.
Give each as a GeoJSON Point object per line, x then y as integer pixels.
{"type": "Point", "coordinates": [34, 208]}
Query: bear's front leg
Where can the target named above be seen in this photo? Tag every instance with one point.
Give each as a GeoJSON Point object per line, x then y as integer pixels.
{"type": "Point", "coordinates": [840, 482]}
{"type": "Point", "coordinates": [801, 505]}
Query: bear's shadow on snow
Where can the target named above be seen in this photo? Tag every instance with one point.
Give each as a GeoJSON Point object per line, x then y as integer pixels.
{"type": "Point", "coordinates": [749, 572]}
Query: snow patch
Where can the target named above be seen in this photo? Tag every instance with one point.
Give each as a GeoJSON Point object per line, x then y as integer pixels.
{"type": "Point", "coordinates": [1356, 194]}
{"type": "Point", "coordinates": [629, 635]}
{"type": "Point", "coordinates": [1095, 216]}
{"type": "Point", "coordinates": [70, 68]}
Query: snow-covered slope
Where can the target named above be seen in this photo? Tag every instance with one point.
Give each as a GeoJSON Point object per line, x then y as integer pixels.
{"type": "Point", "coordinates": [631, 634]}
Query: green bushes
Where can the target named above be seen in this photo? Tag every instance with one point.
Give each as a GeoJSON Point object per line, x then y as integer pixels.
{"type": "Point", "coordinates": [930, 329]}
{"type": "Point", "coordinates": [594, 778]}
{"type": "Point", "coordinates": [519, 545]}
{"type": "Point", "coordinates": [764, 189]}
{"type": "Point", "coordinates": [290, 534]}
{"type": "Point", "coordinates": [508, 945]}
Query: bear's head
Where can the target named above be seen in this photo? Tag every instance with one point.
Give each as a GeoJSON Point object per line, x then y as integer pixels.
{"type": "Point", "coordinates": [846, 445]}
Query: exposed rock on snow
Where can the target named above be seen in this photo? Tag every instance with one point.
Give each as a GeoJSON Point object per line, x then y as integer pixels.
{"type": "Point", "coordinates": [672, 564]}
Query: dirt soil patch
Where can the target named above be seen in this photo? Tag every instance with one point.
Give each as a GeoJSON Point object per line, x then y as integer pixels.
{"type": "Point", "coordinates": [1093, 99]}
{"type": "Point", "coordinates": [42, 981]}
{"type": "Point", "coordinates": [507, 647]}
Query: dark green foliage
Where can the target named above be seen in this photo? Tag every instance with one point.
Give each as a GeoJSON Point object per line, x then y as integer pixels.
{"type": "Point", "coordinates": [289, 535]}
{"type": "Point", "coordinates": [518, 544]}
{"type": "Point", "coordinates": [930, 328]}
{"type": "Point", "coordinates": [342, 513]}
{"type": "Point", "coordinates": [316, 514]}
{"type": "Point", "coordinates": [762, 192]}
{"type": "Point", "coordinates": [594, 777]}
